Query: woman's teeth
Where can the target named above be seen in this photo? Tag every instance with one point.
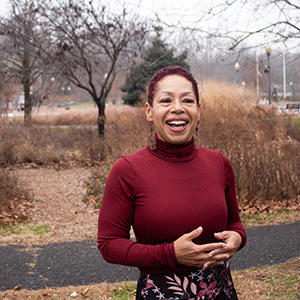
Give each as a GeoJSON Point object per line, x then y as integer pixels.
{"type": "Point", "coordinates": [176, 123]}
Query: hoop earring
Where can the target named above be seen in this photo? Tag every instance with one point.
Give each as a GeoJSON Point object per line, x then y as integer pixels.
{"type": "Point", "coordinates": [151, 141]}
{"type": "Point", "coordinates": [197, 139]}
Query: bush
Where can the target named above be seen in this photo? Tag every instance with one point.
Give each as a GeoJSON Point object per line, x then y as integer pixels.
{"type": "Point", "coordinates": [265, 159]}
{"type": "Point", "coordinates": [13, 199]}
{"type": "Point", "coordinates": [263, 146]}
{"type": "Point", "coordinates": [49, 145]}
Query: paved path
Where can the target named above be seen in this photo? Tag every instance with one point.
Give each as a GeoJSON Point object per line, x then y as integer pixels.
{"type": "Point", "coordinates": [80, 263]}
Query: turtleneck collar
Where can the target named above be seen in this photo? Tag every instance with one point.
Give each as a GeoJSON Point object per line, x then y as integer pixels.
{"type": "Point", "coordinates": [174, 152]}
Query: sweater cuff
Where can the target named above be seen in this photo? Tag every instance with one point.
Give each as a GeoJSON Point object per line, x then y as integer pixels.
{"type": "Point", "coordinates": [170, 255]}
{"type": "Point", "coordinates": [244, 239]}
{"type": "Point", "coordinates": [239, 228]}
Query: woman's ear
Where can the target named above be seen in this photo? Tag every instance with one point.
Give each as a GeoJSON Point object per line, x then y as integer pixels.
{"type": "Point", "coordinates": [149, 113]}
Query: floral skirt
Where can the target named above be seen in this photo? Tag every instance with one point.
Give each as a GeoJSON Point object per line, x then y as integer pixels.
{"type": "Point", "coordinates": [214, 283]}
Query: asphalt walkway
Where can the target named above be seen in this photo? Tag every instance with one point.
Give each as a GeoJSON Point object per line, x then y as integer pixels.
{"type": "Point", "coordinates": [80, 263]}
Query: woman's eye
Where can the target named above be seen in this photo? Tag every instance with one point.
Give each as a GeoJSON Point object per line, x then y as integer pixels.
{"type": "Point", "coordinates": [188, 101]}
{"type": "Point", "coordinates": [165, 100]}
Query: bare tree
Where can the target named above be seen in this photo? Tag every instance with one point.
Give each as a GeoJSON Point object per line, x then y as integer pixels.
{"type": "Point", "coordinates": [91, 44]}
{"type": "Point", "coordinates": [26, 36]}
{"type": "Point", "coordinates": [273, 20]}
{"type": "Point", "coordinates": [7, 93]}
{"type": "Point", "coordinates": [235, 23]}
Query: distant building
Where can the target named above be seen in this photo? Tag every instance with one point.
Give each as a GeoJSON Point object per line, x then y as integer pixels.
{"type": "Point", "coordinates": [21, 102]}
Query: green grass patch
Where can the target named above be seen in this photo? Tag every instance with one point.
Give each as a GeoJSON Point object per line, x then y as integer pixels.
{"type": "Point", "coordinates": [40, 229]}
{"type": "Point", "coordinates": [98, 205]}
{"type": "Point", "coordinates": [125, 291]}
{"type": "Point", "coordinates": [83, 105]}
{"type": "Point", "coordinates": [24, 228]}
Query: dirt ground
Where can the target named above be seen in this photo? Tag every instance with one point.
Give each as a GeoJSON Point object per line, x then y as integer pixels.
{"type": "Point", "coordinates": [59, 206]}
{"type": "Point", "coordinates": [58, 203]}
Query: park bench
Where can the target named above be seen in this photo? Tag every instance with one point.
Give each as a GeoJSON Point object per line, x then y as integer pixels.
{"type": "Point", "coordinates": [293, 106]}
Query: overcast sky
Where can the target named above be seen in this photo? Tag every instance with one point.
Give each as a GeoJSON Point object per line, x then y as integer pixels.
{"type": "Point", "coordinates": [148, 7]}
{"type": "Point", "coordinates": [3, 7]}
{"type": "Point", "coordinates": [188, 13]}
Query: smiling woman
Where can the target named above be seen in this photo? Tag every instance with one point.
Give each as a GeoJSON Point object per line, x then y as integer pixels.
{"type": "Point", "coordinates": [174, 111]}
{"type": "Point", "coordinates": [180, 201]}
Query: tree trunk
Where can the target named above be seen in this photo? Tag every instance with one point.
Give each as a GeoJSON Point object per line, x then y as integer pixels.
{"type": "Point", "coordinates": [101, 116]}
{"type": "Point", "coordinates": [26, 86]}
{"type": "Point", "coordinates": [101, 126]}
{"type": "Point", "coordinates": [28, 104]}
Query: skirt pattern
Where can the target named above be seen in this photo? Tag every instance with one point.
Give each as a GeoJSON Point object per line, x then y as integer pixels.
{"type": "Point", "coordinates": [213, 284]}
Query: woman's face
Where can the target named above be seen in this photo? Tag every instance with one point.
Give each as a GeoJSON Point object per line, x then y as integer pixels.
{"type": "Point", "coordinates": [174, 112]}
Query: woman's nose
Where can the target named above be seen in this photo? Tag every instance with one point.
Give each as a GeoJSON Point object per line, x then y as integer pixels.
{"type": "Point", "coordinates": [177, 106]}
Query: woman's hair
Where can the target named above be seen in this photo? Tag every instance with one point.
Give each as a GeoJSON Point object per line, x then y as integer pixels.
{"type": "Point", "coordinates": [171, 70]}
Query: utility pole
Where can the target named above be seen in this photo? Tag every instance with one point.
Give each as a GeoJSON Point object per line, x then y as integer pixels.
{"type": "Point", "coordinates": [284, 77]}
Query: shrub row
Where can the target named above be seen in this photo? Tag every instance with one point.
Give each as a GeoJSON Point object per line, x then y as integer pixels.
{"type": "Point", "coordinates": [262, 145]}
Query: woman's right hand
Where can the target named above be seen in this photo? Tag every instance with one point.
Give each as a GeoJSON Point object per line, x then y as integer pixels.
{"type": "Point", "coordinates": [190, 254]}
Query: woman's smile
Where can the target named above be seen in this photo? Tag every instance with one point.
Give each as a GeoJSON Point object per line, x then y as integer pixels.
{"type": "Point", "coordinates": [177, 125]}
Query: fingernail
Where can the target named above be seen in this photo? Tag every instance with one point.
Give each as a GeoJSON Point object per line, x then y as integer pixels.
{"type": "Point", "coordinates": [199, 228]}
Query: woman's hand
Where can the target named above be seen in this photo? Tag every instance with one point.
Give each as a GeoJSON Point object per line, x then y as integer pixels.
{"type": "Point", "coordinates": [232, 242]}
{"type": "Point", "coordinates": [200, 256]}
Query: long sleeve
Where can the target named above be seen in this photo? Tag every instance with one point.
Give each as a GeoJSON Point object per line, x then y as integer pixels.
{"type": "Point", "coordinates": [233, 220]}
{"type": "Point", "coordinates": [115, 219]}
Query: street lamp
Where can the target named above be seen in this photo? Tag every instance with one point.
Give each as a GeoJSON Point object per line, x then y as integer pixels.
{"type": "Point", "coordinates": [268, 52]}
{"type": "Point", "coordinates": [237, 68]}
{"type": "Point", "coordinates": [52, 79]}
{"type": "Point", "coordinates": [293, 89]}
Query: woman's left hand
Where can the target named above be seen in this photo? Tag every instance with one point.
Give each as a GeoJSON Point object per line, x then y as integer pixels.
{"type": "Point", "coordinates": [233, 241]}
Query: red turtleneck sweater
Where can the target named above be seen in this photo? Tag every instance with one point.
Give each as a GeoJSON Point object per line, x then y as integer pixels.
{"type": "Point", "coordinates": [164, 194]}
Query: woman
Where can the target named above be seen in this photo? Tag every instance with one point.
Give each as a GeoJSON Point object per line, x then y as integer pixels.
{"type": "Point", "coordinates": [180, 201]}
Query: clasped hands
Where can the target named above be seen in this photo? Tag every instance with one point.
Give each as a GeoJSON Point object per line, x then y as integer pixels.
{"type": "Point", "coordinates": [208, 255]}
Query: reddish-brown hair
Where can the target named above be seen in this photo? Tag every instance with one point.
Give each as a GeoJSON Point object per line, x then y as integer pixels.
{"type": "Point", "coordinates": [171, 70]}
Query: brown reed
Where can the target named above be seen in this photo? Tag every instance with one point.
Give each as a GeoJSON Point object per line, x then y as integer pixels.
{"type": "Point", "coordinates": [262, 145]}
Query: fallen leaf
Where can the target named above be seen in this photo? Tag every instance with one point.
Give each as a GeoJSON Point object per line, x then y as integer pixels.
{"type": "Point", "coordinates": [17, 288]}
{"type": "Point", "coordinates": [24, 217]}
